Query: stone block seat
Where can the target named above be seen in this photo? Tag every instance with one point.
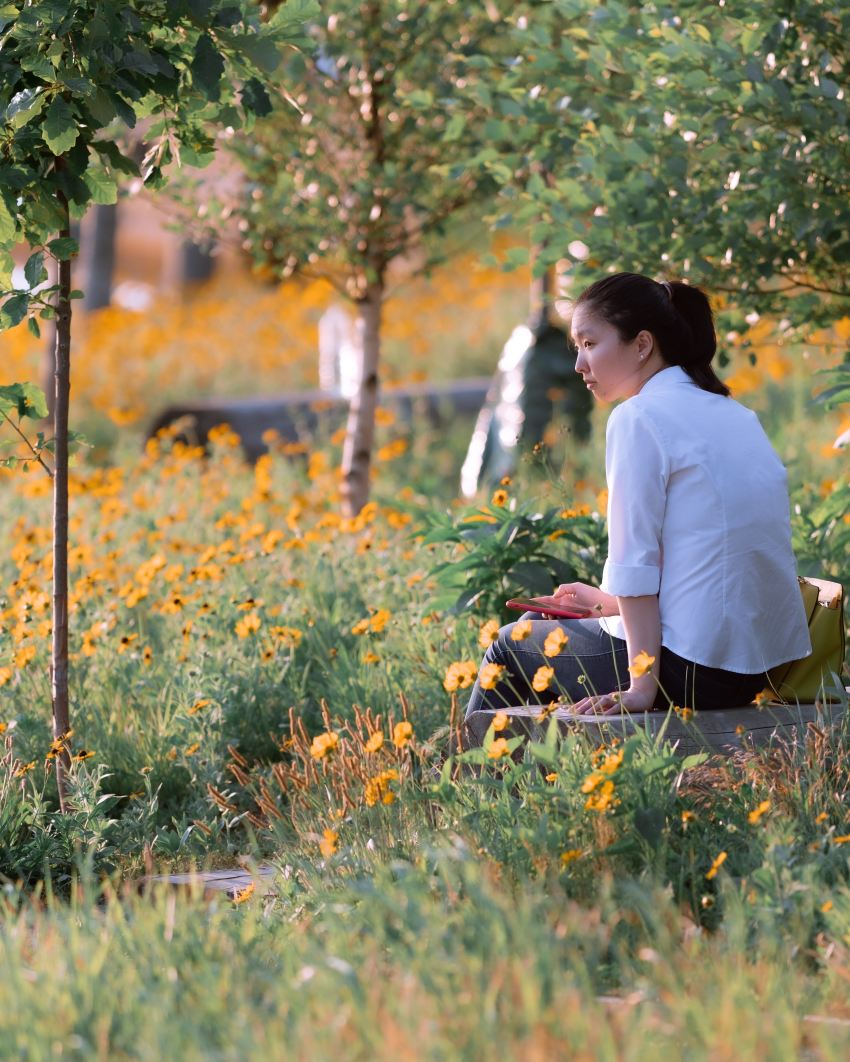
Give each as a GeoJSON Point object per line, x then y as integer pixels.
{"type": "Point", "coordinates": [723, 732]}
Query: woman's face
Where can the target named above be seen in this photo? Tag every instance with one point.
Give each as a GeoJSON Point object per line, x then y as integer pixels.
{"type": "Point", "coordinates": [610, 367]}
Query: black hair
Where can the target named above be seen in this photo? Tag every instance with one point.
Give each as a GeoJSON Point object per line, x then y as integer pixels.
{"type": "Point", "coordinates": [679, 317]}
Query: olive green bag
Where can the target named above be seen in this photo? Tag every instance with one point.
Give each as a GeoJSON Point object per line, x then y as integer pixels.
{"type": "Point", "coordinates": [803, 681]}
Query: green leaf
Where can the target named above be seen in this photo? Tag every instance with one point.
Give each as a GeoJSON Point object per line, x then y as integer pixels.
{"type": "Point", "coordinates": [14, 309]}
{"type": "Point", "coordinates": [24, 106]}
{"type": "Point", "coordinates": [207, 67]}
{"type": "Point", "coordinates": [25, 398]}
{"type": "Point", "coordinates": [59, 128]}
{"type": "Point", "coordinates": [7, 266]}
{"type": "Point", "coordinates": [261, 50]}
{"type": "Point", "coordinates": [103, 187]}
{"type": "Point", "coordinates": [255, 98]}
{"type": "Point", "coordinates": [63, 248]}
{"type": "Point", "coordinates": [34, 270]}
{"type": "Point", "coordinates": [34, 327]}
{"type": "Point", "coordinates": [8, 229]}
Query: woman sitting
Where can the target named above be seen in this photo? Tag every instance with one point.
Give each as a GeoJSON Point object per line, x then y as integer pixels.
{"type": "Point", "coordinates": [699, 595]}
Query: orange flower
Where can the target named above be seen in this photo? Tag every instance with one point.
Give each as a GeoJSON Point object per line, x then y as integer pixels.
{"type": "Point", "coordinates": [375, 742]}
{"type": "Point", "coordinates": [543, 677]}
{"type": "Point", "coordinates": [555, 642]}
{"type": "Point", "coordinates": [329, 843]}
{"type": "Point", "coordinates": [323, 745]}
{"type": "Point", "coordinates": [641, 664]}
{"type": "Point", "coordinates": [521, 630]}
{"type": "Point", "coordinates": [460, 674]}
{"type": "Point", "coordinates": [490, 675]}
{"type": "Point", "coordinates": [402, 734]}
{"type": "Point", "coordinates": [499, 499]}
{"type": "Point", "coordinates": [248, 625]}
{"type": "Point", "coordinates": [500, 721]}
{"type": "Point", "coordinates": [716, 865]}
{"type": "Point", "coordinates": [757, 813]}
{"type": "Point", "coordinates": [488, 633]}
{"type": "Point", "coordinates": [498, 749]}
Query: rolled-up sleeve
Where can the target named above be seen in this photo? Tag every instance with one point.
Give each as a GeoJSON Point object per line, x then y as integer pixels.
{"type": "Point", "coordinates": [637, 469]}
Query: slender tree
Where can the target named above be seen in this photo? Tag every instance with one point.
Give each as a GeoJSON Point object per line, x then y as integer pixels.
{"type": "Point", "coordinates": [370, 165]}
{"type": "Point", "coordinates": [71, 74]}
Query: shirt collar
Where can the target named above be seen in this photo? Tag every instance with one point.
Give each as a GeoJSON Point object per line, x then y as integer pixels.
{"type": "Point", "coordinates": [671, 376]}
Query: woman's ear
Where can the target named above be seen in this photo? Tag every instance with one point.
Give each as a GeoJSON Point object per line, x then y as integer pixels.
{"type": "Point", "coordinates": [645, 344]}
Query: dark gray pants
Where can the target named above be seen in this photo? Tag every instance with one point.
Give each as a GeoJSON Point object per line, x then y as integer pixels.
{"type": "Point", "coordinates": [595, 662]}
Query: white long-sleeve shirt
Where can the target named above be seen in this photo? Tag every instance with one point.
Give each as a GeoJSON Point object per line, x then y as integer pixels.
{"type": "Point", "coordinates": [698, 513]}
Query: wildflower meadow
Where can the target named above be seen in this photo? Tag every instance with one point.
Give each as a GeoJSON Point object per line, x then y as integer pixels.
{"type": "Point", "coordinates": [260, 681]}
{"type": "Point", "coordinates": [268, 663]}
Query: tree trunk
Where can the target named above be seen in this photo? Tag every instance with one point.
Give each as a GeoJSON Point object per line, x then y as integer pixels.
{"type": "Point", "coordinates": [98, 255]}
{"type": "Point", "coordinates": [48, 352]}
{"type": "Point", "coordinates": [360, 430]}
{"type": "Point", "coordinates": [62, 388]}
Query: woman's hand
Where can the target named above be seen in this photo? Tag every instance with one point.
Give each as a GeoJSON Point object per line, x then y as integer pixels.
{"type": "Point", "coordinates": [586, 596]}
{"type": "Point", "coordinates": [630, 700]}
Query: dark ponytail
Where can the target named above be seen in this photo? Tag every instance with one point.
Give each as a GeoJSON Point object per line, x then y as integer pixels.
{"type": "Point", "coordinates": [678, 316]}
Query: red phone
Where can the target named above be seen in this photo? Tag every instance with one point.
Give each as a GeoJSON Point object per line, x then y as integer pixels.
{"type": "Point", "coordinates": [554, 606]}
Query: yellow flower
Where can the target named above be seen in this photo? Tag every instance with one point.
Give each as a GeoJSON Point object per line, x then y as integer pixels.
{"type": "Point", "coordinates": [543, 677]}
{"type": "Point", "coordinates": [328, 844]}
{"type": "Point", "coordinates": [715, 866]}
{"type": "Point", "coordinates": [192, 749]}
{"type": "Point", "coordinates": [490, 675]}
{"type": "Point", "coordinates": [375, 742]}
{"type": "Point", "coordinates": [521, 630]}
{"type": "Point", "coordinates": [323, 745]}
{"type": "Point", "coordinates": [843, 839]}
{"type": "Point", "coordinates": [757, 813]}
{"type": "Point", "coordinates": [3, 728]}
{"type": "Point", "coordinates": [500, 721]}
{"type": "Point", "coordinates": [488, 633]}
{"type": "Point", "coordinates": [288, 636]}
{"type": "Point", "coordinates": [377, 788]}
{"type": "Point", "coordinates": [83, 754]}
{"type": "Point", "coordinates": [826, 907]}
{"type": "Point", "coordinates": [499, 499]}
{"type": "Point", "coordinates": [147, 655]}
{"type": "Point", "coordinates": [687, 816]}
{"type": "Point", "coordinates": [199, 706]}
{"type": "Point", "coordinates": [402, 734]}
{"type": "Point", "coordinates": [6, 675]}
{"type": "Point", "coordinates": [498, 749]}
{"type": "Point", "coordinates": [641, 664]}
{"type": "Point", "coordinates": [551, 777]}
{"type": "Point", "coordinates": [555, 642]}
{"type": "Point", "coordinates": [244, 894]}
{"type": "Point", "coordinates": [570, 856]}
{"type": "Point", "coordinates": [126, 642]}
{"type": "Point", "coordinates": [822, 817]}
{"type": "Point", "coordinates": [611, 762]}
{"type": "Point", "coordinates": [460, 674]}
{"type": "Point", "coordinates": [762, 698]}
{"type": "Point", "coordinates": [248, 625]}
{"type": "Point", "coordinates": [685, 714]}
{"type": "Point", "coordinates": [594, 779]}
{"type": "Point", "coordinates": [371, 658]}
{"type": "Point", "coordinates": [25, 768]}
{"type": "Point", "coordinates": [602, 798]}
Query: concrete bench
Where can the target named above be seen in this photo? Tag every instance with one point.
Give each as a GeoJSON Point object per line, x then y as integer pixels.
{"type": "Point", "coordinates": [710, 731]}
{"type": "Point", "coordinates": [297, 415]}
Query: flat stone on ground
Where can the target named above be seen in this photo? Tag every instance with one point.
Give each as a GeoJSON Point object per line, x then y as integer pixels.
{"type": "Point", "coordinates": [711, 731]}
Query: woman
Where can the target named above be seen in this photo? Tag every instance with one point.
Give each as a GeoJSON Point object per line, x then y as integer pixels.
{"type": "Point", "coordinates": [699, 595]}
